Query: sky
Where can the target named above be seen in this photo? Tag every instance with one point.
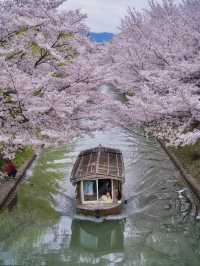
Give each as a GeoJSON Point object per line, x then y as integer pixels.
{"type": "Point", "coordinates": [104, 15]}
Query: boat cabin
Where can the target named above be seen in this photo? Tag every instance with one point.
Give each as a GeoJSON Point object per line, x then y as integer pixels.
{"type": "Point", "coordinates": [98, 175]}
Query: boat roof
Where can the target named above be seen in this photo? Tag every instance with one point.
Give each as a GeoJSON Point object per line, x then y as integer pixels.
{"type": "Point", "coordinates": [98, 163]}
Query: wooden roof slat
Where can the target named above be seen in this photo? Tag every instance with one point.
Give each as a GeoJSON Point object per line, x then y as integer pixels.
{"type": "Point", "coordinates": [108, 168]}
{"type": "Point", "coordinates": [76, 165]}
{"type": "Point", "coordinates": [117, 164]}
{"type": "Point", "coordinates": [80, 164]}
{"type": "Point", "coordinates": [89, 164]}
{"type": "Point", "coordinates": [100, 162]}
{"type": "Point", "coordinates": [97, 162]}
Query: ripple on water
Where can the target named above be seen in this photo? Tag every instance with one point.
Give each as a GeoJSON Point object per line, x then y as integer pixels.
{"type": "Point", "coordinates": [156, 226]}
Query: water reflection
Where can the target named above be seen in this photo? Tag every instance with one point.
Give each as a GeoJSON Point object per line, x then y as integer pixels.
{"type": "Point", "coordinates": [103, 237]}
{"type": "Point", "coordinates": [159, 229]}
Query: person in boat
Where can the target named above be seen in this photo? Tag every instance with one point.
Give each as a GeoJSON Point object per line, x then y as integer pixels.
{"type": "Point", "coordinates": [105, 186]}
{"type": "Point", "coordinates": [106, 197]}
{"type": "Point", "coordinates": [9, 168]}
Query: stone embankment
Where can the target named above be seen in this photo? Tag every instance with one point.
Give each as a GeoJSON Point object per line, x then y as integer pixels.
{"type": "Point", "coordinates": [192, 181]}
{"type": "Point", "coordinates": [8, 190]}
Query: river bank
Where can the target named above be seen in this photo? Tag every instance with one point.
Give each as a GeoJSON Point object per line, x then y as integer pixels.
{"type": "Point", "coordinates": [159, 228]}
{"type": "Point", "coordinates": [188, 157]}
{"type": "Point", "coordinates": [9, 187]}
{"type": "Point", "coordinates": [21, 156]}
{"type": "Point", "coordinates": [187, 160]}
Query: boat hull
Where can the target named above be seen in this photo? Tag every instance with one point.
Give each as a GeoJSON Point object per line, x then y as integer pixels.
{"type": "Point", "coordinates": [99, 210]}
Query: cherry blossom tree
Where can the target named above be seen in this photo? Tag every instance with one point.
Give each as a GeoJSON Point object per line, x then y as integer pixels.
{"type": "Point", "coordinates": [51, 73]}
{"type": "Point", "coordinates": [155, 61]}
{"type": "Point", "coordinates": [49, 79]}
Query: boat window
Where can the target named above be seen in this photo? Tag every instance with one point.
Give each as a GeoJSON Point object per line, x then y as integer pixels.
{"type": "Point", "coordinates": [104, 186]}
{"type": "Point", "coordinates": [90, 190]}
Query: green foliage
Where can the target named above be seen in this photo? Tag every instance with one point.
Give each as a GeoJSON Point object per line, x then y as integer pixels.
{"type": "Point", "coordinates": [6, 96]}
{"type": "Point", "coordinates": [13, 55]}
{"type": "Point", "coordinates": [71, 52]}
{"type": "Point", "coordinates": [22, 31]}
{"type": "Point", "coordinates": [38, 92]}
{"type": "Point", "coordinates": [130, 93]}
{"type": "Point", "coordinates": [37, 194]}
{"type": "Point", "coordinates": [1, 164]}
{"type": "Point", "coordinates": [35, 48]}
{"type": "Point", "coordinates": [57, 75]}
{"type": "Point", "coordinates": [3, 43]}
{"type": "Point", "coordinates": [67, 36]}
{"type": "Point", "coordinates": [22, 156]}
{"type": "Point", "coordinates": [35, 212]}
{"type": "Point", "coordinates": [61, 64]}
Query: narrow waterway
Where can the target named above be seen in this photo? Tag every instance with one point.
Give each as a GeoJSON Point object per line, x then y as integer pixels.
{"type": "Point", "coordinates": [156, 227]}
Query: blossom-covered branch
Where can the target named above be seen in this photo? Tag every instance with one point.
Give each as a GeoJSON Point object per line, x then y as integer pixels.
{"type": "Point", "coordinates": [48, 72]}
{"type": "Point", "coordinates": [155, 61]}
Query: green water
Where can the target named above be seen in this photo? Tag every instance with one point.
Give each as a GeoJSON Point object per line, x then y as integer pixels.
{"type": "Point", "coordinates": [158, 226]}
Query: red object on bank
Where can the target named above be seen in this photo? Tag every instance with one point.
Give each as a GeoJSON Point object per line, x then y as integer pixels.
{"type": "Point", "coordinates": [10, 169]}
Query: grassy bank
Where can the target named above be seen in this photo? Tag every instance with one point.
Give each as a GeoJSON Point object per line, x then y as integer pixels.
{"type": "Point", "coordinates": [23, 156]}
{"type": "Point", "coordinates": [189, 156]}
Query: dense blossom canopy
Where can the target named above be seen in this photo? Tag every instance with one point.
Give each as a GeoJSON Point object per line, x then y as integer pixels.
{"type": "Point", "coordinates": [155, 60]}
{"type": "Point", "coordinates": [48, 77]}
{"type": "Point", "coordinates": [51, 73]}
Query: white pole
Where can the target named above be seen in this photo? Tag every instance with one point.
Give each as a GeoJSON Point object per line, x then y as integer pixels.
{"type": "Point", "coordinates": [97, 185]}
{"type": "Point", "coordinates": [112, 189]}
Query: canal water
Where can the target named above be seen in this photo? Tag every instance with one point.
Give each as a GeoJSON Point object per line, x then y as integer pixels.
{"type": "Point", "coordinates": [158, 225]}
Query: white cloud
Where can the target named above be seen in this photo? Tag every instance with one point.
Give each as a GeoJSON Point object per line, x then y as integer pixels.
{"type": "Point", "coordinates": [104, 15]}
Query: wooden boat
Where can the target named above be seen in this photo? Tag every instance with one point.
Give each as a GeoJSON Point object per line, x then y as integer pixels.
{"type": "Point", "coordinates": [98, 175]}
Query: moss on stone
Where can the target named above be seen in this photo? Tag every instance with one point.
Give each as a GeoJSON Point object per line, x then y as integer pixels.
{"type": "Point", "coordinates": [189, 156]}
